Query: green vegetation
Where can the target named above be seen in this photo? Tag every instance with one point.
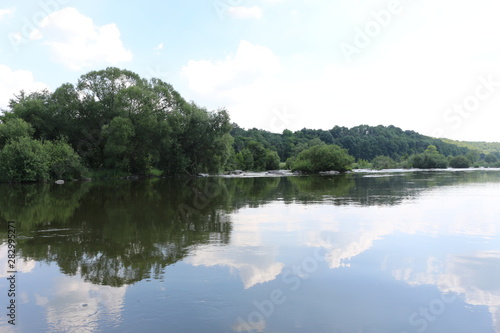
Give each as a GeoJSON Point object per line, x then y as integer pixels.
{"type": "Point", "coordinates": [429, 159]}
{"type": "Point", "coordinates": [113, 123]}
{"type": "Point", "coordinates": [322, 158]}
{"type": "Point", "coordinates": [482, 147]}
{"type": "Point", "coordinates": [111, 120]}
{"type": "Point", "coordinates": [383, 162]}
{"type": "Point", "coordinates": [28, 160]}
{"type": "Point", "coordinates": [460, 162]}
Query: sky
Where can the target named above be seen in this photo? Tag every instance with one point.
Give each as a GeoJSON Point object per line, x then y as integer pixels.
{"type": "Point", "coordinates": [432, 66]}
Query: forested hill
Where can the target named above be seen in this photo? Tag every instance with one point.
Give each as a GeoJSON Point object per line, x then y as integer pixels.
{"type": "Point", "coordinates": [362, 142]}
{"type": "Point", "coordinates": [482, 147]}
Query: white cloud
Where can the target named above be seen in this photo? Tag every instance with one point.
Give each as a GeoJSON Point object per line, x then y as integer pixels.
{"type": "Point", "coordinates": [159, 47]}
{"type": "Point", "coordinates": [248, 66]}
{"type": "Point", "coordinates": [76, 42]}
{"type": "Point", "coordinates": [13, 81]}
{"type": "Point", "coordinates": [240, 12]}
{"type": "Point", "coordinates": [422, 63]}
{"type": "Point", "coordinates": [6, 12]}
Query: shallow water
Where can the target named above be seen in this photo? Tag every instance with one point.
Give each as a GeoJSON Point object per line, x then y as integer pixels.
{"type": "Point", "coordinates": [391, 251]}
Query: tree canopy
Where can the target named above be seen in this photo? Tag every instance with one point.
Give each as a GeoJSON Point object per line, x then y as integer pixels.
{"type": "Point", "coordinates": [114, 120]}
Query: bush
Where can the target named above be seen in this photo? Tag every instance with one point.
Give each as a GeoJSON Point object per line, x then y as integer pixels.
{"type": "Point", "coordinates": [14, 129]}
{"type": "Point", "coordinates": [383, 162]}
{"type": "Point", "coordinates": [63, 161]}
{"type": "Point", "coordinates": [430, 159]}
{"type": "Point", "coordinates": [24, 160]}
{"type": "Point", "coordinates": [323, 158]}
{"type": "Point", "coordinates": [460, 162]}
{"type": "Point", "coordinates": [362, 164]}
{"type": "Point", "coordinates": [28, 160]}
{"type": "Point", "coordinates": [426, 161]}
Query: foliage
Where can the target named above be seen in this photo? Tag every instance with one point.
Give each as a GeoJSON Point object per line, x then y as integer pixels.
{"type": "Point", "coordinates": [362, 164]}
{"type": "Point", "coordinates": [483, 148]}
{"type": "Point", "coordinates": [429, 159]}
{"type": "Point", "coordinates": [490, 158]}
{"type": "Point", "coordinates": [14, 129]}
{"type": "Point", "coordinates": [64, 162]}
{"type": "Point", "coordinates": [24, 160]}
{"type": "Point", "coordinates": [29, 160]}
{"type": "Point", "coordinates": [255, 157]}
{"type": "Point", "coordinates": [115, 119]}
{"type": "Point", "coordinates": [383, 162]}
{"type": "Point", "coordinates": [323, 158]}
{"type": "Point", "coordinates": [460, 162]}
{"type": "Point", "coordinates": [119, 135]}
{"type": "Point", "coordinates": [362, 142]}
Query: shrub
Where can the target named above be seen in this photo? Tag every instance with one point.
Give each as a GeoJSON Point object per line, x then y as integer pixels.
{"type": "Point", "coordinates": [63, 160]}
{"type": "Point", "coordinates": [460, 162]}
{"type": "Point", "coordinates": [24, 160]}
{"type": "Point", "coordinates": [14, 129]}
{"type": "Point", "coordinates": [362, 164]}
{"type": "Point", "coordinates": [323, 158]}
{"type": "Point", "coordinates": [430, 159]}
{"type": "Point", "coordinates": [383, 162]}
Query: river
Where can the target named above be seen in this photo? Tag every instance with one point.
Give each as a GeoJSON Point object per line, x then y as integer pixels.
{"type": "Point", "coordinates": [391, 251]}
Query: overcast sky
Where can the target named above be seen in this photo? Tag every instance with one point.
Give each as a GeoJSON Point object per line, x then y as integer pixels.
{"type": "Point", "coordinates": [432, 66]}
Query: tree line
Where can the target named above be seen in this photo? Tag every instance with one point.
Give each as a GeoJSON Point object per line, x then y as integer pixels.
{"type": "Point", "coordinates": [114, 123]}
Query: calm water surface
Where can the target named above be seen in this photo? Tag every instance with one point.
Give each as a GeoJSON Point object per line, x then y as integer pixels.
{"type": "Point", "coordinates": [363, 252]}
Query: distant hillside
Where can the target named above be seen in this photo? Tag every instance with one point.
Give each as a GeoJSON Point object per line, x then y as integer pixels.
{"type": "Point", "coordinates": [362, 142]}
{"type": "Point", "coordinates": [483, 147]}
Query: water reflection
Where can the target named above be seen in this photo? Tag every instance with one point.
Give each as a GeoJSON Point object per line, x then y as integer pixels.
{"type": "Point", "coordinates": [77, 306]}
{"type": "Point", "coordinates": [418, 228]}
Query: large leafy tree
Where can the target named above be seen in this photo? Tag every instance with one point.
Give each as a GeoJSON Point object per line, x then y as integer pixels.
{"type": "Point", "coordinates": [114, 119]}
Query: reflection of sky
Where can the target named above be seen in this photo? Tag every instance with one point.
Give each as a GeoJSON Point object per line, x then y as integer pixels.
{"type": "Point", "coordinates": [254, 264]}
{"type": "Point", "coordinates": [61, 303]}
{"type": "Point", "coordinates": [454, 220]}
{"type": "Point", "coordinates": [382, 263]}
{"type": "Point", "coordinates": [21, 265]}
{"type": "Point", "coordinates": [78, 306]}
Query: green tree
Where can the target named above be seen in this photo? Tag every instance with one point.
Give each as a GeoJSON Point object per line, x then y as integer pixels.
{"type": "Point", "coordinates": [460, 162]}
{"type": "Point", "coordinates": [24, 160]}
{"type": "Point", "coordinates": [429, 159]}
{"type": "Point", "coordinates": [34, 109]}
{"type": "Point", "coordinates": [64, 162]}
{"type": "Point", "coordinates": [272, 160]}
{"type": "Point", "coordinates": [490, 158]}
{"type": "Point", "coordinates": [244, 160]}
{"type": "Point", "coordinates": [323, 158]}
{"type": "Point", "coordinates": [14, 129]}
{"type": "Point", "coordinates": [473, 156]}
{"type": "Point", "coordinates": [119, 141]}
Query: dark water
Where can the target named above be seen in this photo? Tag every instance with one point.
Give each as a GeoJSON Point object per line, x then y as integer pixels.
{"type": "Point", "coordinates": [365, 252]}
